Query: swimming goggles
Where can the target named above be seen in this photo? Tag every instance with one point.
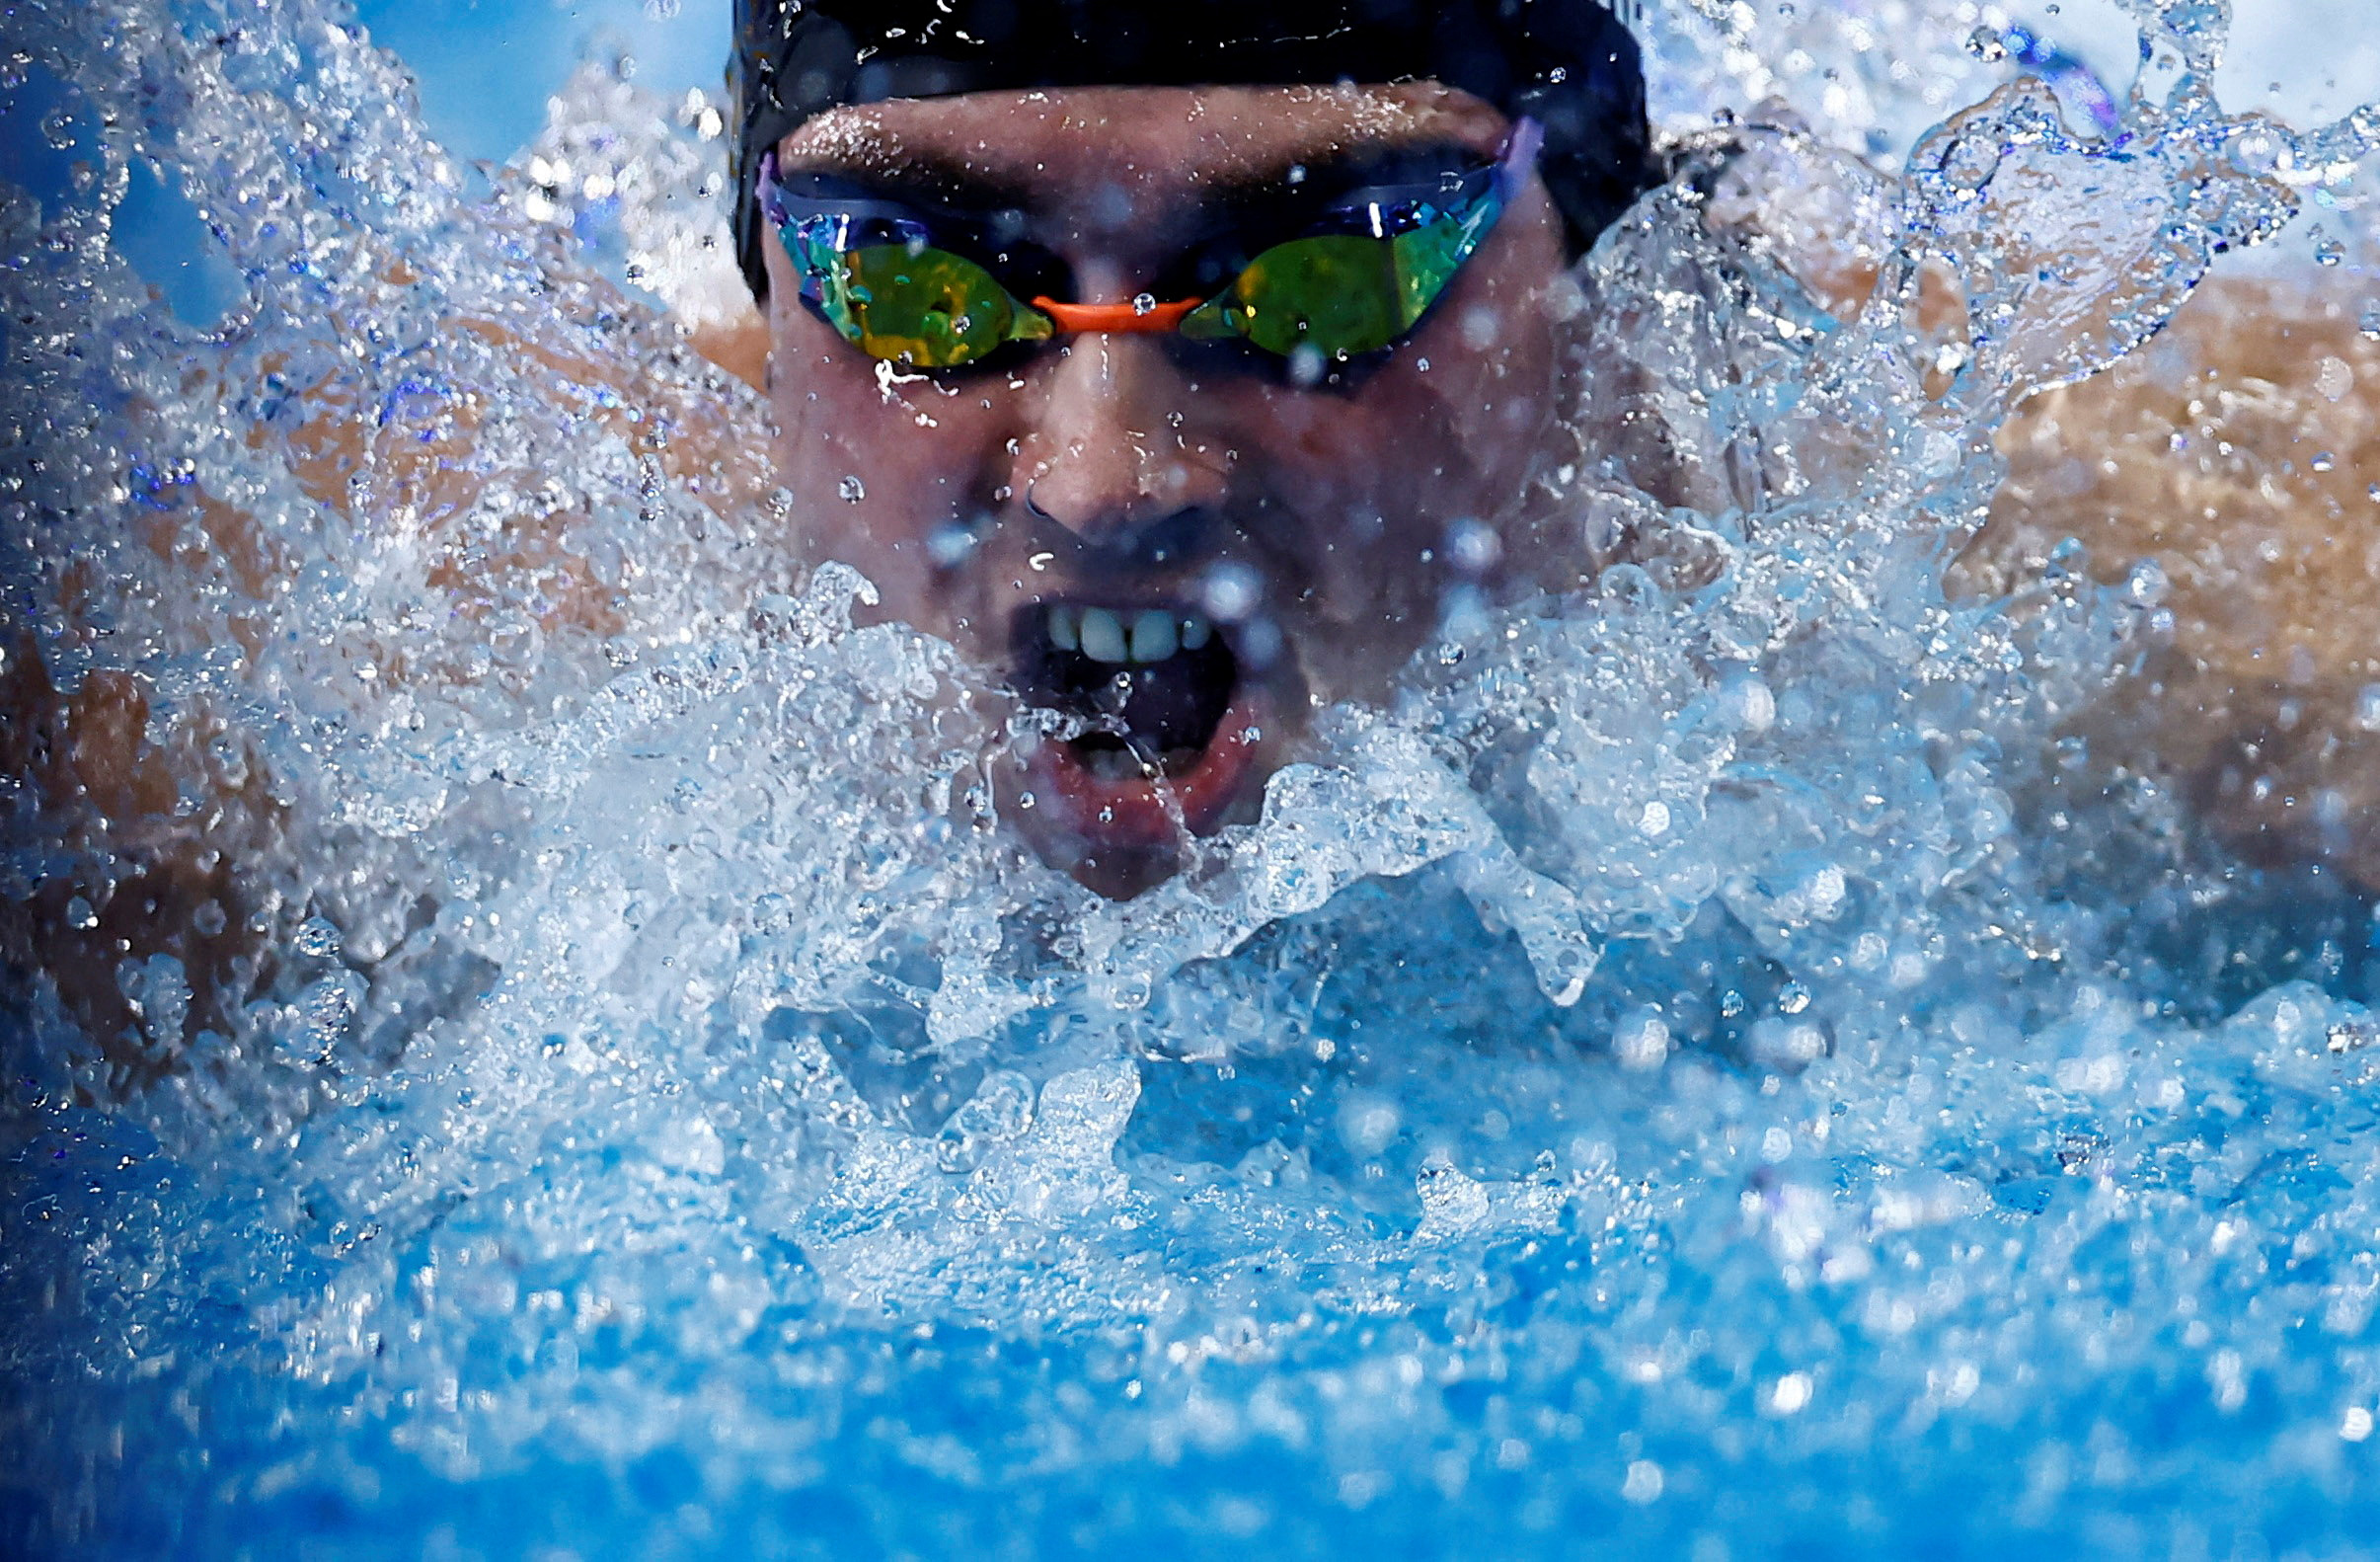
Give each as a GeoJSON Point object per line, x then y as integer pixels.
{"type": "Point", "coordinates": [1352, 284]}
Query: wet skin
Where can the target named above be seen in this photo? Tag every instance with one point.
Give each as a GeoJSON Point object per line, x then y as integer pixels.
{"type": "Point", "coordinates": [1310, 524]}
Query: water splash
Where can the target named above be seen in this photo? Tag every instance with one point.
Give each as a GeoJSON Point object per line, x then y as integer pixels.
{"type": "Point", "coordinates": [1651, 1082]}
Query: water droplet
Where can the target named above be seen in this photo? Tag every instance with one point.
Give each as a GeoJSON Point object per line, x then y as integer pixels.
{"type": "Point", "coordinates": [851, 490]}
{"type": "Point", "coordinates": [58, 129]}
{"type": "Point", "coordinates": [2257, 152]}
{"type": "Point", "coordinates": [2329, 251]}
{"type": "Point", "coordinates": [1230, 591]}
{"type": "Point", "coordinates": [317, 938]}
{"type": "Point", "coordinates": [2323, 461]}
{"type": "Point", "coordinates": [1641, 1041]}
{"type": "Point", "coordinates": [1144, 303]}
{"type": "Point", "coordinates": [1987, 46]}
{"type": "Point", "coordinates": [2146, 584]}
{"type": "Point", "coordinates": [949, 545]}
{"type": "Point", "coordinates": [1472, 546]}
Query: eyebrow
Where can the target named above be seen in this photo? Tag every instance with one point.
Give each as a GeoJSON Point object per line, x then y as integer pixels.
{"type": "Point", "coordinates": [1294, 193]}
{"type": "Point", "coordinates": [933, 182]}
{"type": "Point", "coordinates": [919, 179]}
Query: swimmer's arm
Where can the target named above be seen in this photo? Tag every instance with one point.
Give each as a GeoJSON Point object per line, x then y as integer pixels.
{"type": "Point", "coordinates": [138, 858]}
{"type": "Point", "coordinates": [2238, 454]}
{"type": "Point", "coordinates": [148, 838]}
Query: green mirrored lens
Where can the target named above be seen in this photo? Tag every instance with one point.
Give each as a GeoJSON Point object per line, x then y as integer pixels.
{"type": "Point", "coordinates": [914, 304]}
{"type": "Point", "coordinates": [1337, 293]}
{"type": "Point", "coordinates": [1342, 295]}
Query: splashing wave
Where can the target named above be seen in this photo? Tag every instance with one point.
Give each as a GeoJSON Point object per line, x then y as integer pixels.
{"type": "Point", "coordinates": [613, 1088]}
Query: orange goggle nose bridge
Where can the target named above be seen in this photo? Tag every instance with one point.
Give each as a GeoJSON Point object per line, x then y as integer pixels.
{"type": "Point", "coordinates": [1111, 318]}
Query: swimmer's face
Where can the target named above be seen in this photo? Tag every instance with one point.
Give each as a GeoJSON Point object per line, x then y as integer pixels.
{"type": "Point", "coordinates": [1192, 543]}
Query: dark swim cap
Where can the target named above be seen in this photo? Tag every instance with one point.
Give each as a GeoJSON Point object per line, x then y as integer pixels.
{"type": "Point", "coordinates": [1569, 64]}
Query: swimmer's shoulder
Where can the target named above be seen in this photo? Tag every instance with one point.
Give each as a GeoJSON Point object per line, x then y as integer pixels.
{"type": "Point", "coordinates": [2231, 467]}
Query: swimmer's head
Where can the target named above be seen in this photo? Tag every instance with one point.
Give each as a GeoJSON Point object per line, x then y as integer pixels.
{"type": "Point", "coordinates": [1174, 361]}
{"type": "Point", "coordinates": [1571, 66]}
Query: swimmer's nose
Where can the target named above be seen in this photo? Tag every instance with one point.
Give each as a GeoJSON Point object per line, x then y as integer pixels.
{"type": "Point", "coordinates": [1112, 449]}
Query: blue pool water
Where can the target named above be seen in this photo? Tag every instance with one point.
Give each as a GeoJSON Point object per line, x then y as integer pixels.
{"type": "Point", "coordinates": [1696, 1075]}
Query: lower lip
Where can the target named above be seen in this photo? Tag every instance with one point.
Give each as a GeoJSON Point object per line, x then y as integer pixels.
{"type": "Point", "coordinates": [1136, 812]}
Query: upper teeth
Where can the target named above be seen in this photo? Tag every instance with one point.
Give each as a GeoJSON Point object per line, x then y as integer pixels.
{"type": "Point", "coordinates": [1150, 634]}
{"type": "Point", "coordinates": [1103, 636]}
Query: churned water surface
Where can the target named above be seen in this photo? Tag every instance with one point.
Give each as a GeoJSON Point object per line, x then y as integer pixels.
{"type": "Point", "coordinates": [1691, 1077]}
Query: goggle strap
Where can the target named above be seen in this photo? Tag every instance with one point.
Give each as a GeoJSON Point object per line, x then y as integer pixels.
{"type": "Point", "coordinates": [1520, 155]}
{"type": "Point", "coordinates": [771, 207]}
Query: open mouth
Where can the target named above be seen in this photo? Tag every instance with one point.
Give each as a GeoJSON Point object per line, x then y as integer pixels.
{"type": "Point", "coordinates": [1174, 723]}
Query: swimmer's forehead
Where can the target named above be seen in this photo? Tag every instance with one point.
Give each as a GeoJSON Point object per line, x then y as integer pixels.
{"type": "Point", "coordinates": [1033, 147]}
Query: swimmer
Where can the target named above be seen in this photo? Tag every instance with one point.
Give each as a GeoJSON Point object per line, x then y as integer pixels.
{"type": "Point", "coordinates": [1178, 363]}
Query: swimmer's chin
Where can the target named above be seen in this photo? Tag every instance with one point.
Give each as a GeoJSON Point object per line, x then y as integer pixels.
{"type": "Point", "coordinates": [1123, 835]}
{"type": "Point", "coordinates": [1121, 873]}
